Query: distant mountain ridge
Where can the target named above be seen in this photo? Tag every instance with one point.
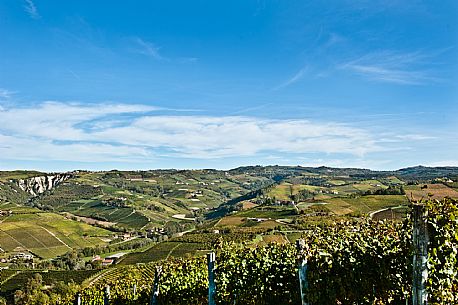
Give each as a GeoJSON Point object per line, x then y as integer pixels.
{"type": "Point", "coordinates": [422, 172]}
{"type": "Point", "coordinates": [46, 179]}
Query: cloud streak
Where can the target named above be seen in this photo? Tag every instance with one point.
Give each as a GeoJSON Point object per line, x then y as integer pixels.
{"type": "Point", "coordinates": [31, 9]}
{"type": "Point", "coordinates": [393, 67]}
{"type": "Point", "coordinates": [294, 79]}
{"type": "Point", "coordinates": [135, 133]}
{"type": "Point", "coordinates": [147, 48]}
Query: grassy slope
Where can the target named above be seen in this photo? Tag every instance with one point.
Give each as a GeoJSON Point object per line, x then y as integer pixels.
{"type": "Point", "coordinates": [157, 195]}
{"type": "Point", "coordinates": [340, 187]}
{"type": "Point", "coordinates": [364, 204]}
{"type": "Point", "coordinates": [47, 234]}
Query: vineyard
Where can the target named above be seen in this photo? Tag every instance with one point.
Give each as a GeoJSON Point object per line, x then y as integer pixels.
{"type": "Point", "coordinates": [348, 263]}
{"type": "Point", "coordinates": [192, 244]}
{"type": "Point", "coordinates": [11, 280]}
{"type": "Point", "coordinates": [6, 274]}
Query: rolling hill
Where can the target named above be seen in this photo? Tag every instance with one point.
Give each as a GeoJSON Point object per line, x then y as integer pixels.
{"type": "Point", "coordinates": [49, 214]}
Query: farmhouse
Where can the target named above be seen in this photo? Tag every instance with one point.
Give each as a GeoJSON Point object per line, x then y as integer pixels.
{"type": "Point", "coordinates": [96, 258]}
{"type": "Point", "coordinates": [112, 259]}
{"type": "Point", "coordinates": [5, 213]}
{"type": "Point", "coordinates": [116, 256]}
{"type": "Point", "coordinates": [257, 219]}
{"type": "Point", "coordinates": [107, 262]}
{"type": "Point", "coordinates": [23, 256]}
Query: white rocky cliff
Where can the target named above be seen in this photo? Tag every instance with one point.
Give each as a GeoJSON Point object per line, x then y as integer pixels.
{"type": "Point", "coordinates": [38, 185]}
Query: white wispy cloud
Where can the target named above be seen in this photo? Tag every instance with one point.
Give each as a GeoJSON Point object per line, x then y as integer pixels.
{"type": "Point", "coordinates": [333, 39]}
{"type": "Point", "coordinates": [394, 67]}
{"type": "Point", "coordinates": [403, 138]}
{"type": "Point", "coordinates": [59, 121]}
{"type": "Point", "coordinates": [147, 48]}
{"type": "Point", "coordinates": [214, 137]}
{"type": "Point", "coordinates": [131, 133]}
{"type": "Point", "coordinates": [294, 79]}
{"type": "Point", "coordinates": [31, 9]}
{"type": "Point", "coordinates": [5, 93]}
{"type": "Point", "coordinates": [443, 163]}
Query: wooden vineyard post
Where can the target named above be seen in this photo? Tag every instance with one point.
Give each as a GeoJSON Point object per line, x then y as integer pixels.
{"type": "Point", "coordinates": [78, 299]}
{"type": "Point", "coordinates": [106, 296]}
{"type": "Point", "coordinates": [211, 257]}
{"type": "Point", "coordinates": [420, 243]}
{"type": "Point", "coordinates": [302, 270]}
{"type": "Point", "coordinates": [157, 277]}
{"type": "Point", "coordinates": [134, 291]}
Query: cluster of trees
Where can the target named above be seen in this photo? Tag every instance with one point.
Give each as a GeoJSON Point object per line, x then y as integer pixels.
{"type": "Point", "coordinates": [10, 192]}
{"type": "Point", "coordinates": [34, 293]}
{"type": "Point", "coordinates": [302, 195]}
{"type": "Point", "coordinates": [130, 245]}
{"type": "Point", "coordinates": [173, 227]}
{"type": "Point", "coordinates": [153, 207]}
{"type": "Point", "coordinates": [391, 190]}
{"type": "Point", "coordinates": [66, 193]}
{"type": "Point", "coordinates": [72, 260]}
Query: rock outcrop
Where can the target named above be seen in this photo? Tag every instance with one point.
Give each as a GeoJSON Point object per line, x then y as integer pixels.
{"type": "Point", "coordinates": [37, 185]}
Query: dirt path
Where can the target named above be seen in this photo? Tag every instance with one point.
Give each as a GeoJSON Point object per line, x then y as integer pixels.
{"type": "Point", "coordinates": [371, 215]}
{"type": "Point", "coordinates": [173, 249]}
{"type": "Point", "coordinates": [5, 218]}
{"type": "Point", "coordinates": [10, 277]}
{"type": "Point", "coordinates": [179, 234]}
{"type": "Point", "coordinates": [131, 213]}
{"type": "Point", "coordinates": [99, 275]}
{"type": "Point", "coordinates": [56, 237]}
{"type": "Point", "coordinates": [182, 217]}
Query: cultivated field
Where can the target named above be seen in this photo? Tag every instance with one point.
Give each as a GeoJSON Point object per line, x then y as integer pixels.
{"type": "Point", "coordinates": [364, 204]}
{"type": "Point", "coordinates": [47, 234]}
{"type": "Point", "coordinates": [437, 191]}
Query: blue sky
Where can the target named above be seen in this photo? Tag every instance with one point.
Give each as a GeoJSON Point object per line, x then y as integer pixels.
{"type": "Point", "coordinates": [219, 84]}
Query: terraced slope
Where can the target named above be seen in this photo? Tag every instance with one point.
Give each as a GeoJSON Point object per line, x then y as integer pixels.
{"type": "Point", "coordinates": [47, 234]}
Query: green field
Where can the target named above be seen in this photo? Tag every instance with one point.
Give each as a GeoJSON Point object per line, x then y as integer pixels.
{"type": "Point", "coordinates": [364, 204]}
{"type": "Point", "coordinates": [19, 209]}
{"type": "Point", "coordinates": [273, 212]}
{"type": "Point", "coordinates": [47, 234]}
{"type": "Point", "coordinates": [285, 190]}
{"type": "Point", "coordinates": [330, 188]}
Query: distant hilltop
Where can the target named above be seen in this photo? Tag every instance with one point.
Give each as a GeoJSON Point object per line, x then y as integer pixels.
{"type": "Point", "coordinates": [45, 180]}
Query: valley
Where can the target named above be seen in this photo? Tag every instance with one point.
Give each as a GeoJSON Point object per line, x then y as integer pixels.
{"type": "Point", "coordinates": [78, 223]}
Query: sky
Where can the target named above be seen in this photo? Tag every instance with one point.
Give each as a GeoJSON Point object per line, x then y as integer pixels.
{"type": "Point", "coordinates": [145, 84]}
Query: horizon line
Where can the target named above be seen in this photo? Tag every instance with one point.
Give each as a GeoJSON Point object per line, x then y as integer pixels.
{"type": "Point", "coordinates": [229, 169]}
